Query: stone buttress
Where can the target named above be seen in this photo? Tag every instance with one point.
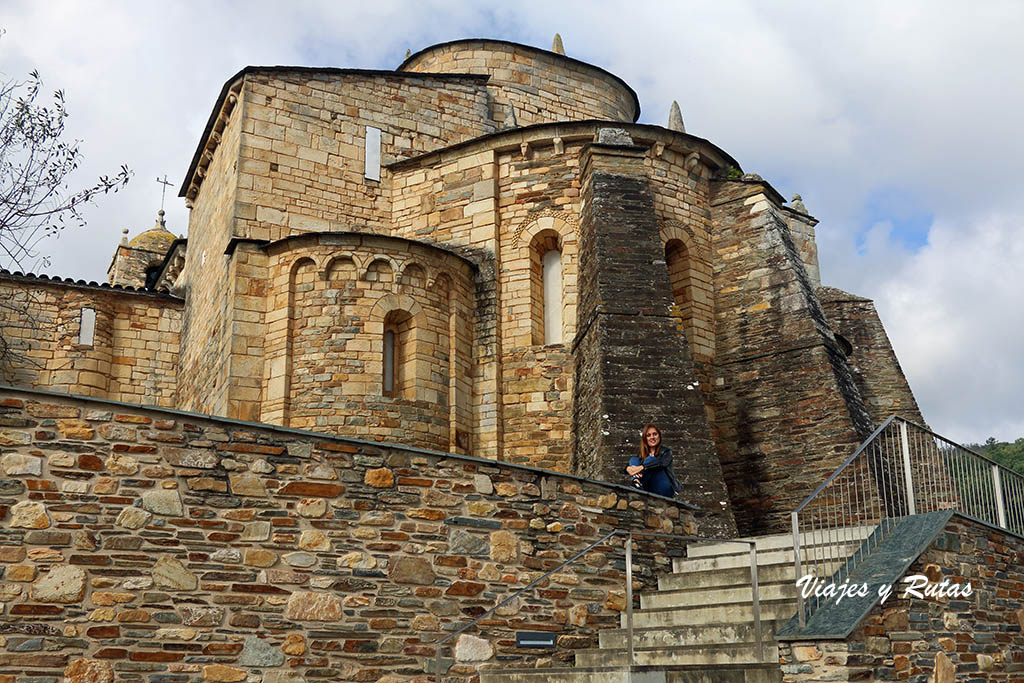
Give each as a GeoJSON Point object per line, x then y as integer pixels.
{"type": "Point", "coordinates": [632, 361]}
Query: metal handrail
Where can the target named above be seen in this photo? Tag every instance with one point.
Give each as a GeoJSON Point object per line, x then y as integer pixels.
{"type": "Point", "coordinates": [628, 546]}
{"type": "Point", "coordinates": [881, 428]}
{"type": "Point", "coordinates": [860, 449]}
{"type": "Point", "coordinates": [906, 468]}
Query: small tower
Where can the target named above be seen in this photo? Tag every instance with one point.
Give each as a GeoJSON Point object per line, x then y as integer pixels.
{"type": "Point", "coordinates": [136, 262]}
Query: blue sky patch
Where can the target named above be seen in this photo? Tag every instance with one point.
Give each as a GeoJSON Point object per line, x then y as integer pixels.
{"type": "Point", "coordinates": [910, 221]}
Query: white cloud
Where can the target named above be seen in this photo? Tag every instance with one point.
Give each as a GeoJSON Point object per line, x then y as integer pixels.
{"type": "Point", "coordinates": [953, 314]}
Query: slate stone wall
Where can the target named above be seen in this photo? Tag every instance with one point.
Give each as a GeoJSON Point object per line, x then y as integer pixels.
{"type": "Point", "coordinates": [632, 361]}
{"type": "Point", "coordinates": [978, 638]}
{"type": "Point", "coordinates": [876, 370]}
{"type": "Point", "coordinates": [206, 334]}
{"type": "Point", "coordinates": [140, 544]}
{"type": "Point", "coordinates": [787, 409]}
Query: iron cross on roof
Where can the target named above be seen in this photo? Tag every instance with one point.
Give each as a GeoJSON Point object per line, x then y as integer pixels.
{"type": "Point", "coordinates": [163, 190]}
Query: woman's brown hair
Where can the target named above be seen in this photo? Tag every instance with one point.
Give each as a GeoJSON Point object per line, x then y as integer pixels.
{"type": "Point", "coordinates": [644, 449]}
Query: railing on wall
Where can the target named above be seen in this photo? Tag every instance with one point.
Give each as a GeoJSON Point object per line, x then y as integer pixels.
{"type": "Point", "coordinates": [628, 548]}
{"type": "Point", "coordinates": [902, 469]}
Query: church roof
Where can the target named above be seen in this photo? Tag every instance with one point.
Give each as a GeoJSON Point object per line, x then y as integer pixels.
{"type": "Point", "coordinates": [86, 284]}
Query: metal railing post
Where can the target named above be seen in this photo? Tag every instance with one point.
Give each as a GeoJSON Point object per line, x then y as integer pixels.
{"type": "Point", "coordinates": [757, 601]}
{"type": "Point", "coordinates": [796, 565]}
{"type": "Point", "coordinates": [905, 447]}
{"type": "Point", "coordinates": [437, 664]}
{"type": "Point", "coordinates": [997, 484]}
{"type": "Point", "coordinates": [629, 599]}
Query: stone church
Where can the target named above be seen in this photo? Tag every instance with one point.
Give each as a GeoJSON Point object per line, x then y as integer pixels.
{"type": "Point", "coordinates": [388, 384]}
{"type": "Point", "coordinates": [482, 252]}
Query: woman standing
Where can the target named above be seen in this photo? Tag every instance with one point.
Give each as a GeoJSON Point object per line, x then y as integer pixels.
{"type": "Point", "coordinates": [652, 471]}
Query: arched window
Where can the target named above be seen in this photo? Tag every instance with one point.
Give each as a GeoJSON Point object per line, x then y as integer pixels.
{"type": "Point", "coordinates": [546, 299]}
{"type": "Point", "coordinates": [151, 275]}
{"type": "Point", "coordinates": [399, 375]}
{"type": "Point", "coordinates": [677, 258]}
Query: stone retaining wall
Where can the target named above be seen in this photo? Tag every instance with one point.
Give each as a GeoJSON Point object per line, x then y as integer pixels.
{"type": "Point", "coordinates": [143, 543]}
{"type": "Point", "coordinates": [977, 638]}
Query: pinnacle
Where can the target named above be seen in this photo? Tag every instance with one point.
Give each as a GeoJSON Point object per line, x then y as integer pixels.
{"type": "Point", "coordinates": [675, 118]}
{"type": "Point", "coordinates": [556, 45]}
{"type": "Point", "coordinates": [797, 204]}
{"type": "Point", "coordinates": [510, 117]}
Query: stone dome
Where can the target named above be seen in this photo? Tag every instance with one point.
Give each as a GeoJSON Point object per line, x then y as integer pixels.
{"type": "Point", "coordinates": [158, 238]}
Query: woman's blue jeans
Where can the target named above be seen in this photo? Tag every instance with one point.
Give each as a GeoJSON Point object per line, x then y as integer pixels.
{"type": "Point", "coordinates": [655, 481]}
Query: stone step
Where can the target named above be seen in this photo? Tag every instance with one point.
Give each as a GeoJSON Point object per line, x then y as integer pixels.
{"type": "Point", "coordinates": [684, 636]}
{"type": "Point", "coordinates": [726, 578]}
{"type": "Point", "coordinates": [741, 673]}
{"type": "Point", "coordinates": [770, 557]}
{"type": "Point", "coordinates": [689, 597]}
{"type": "Point", "coordinates": [771, 610]}
{"type": "Point", "coordinates": [845, 535]}
{"type": "Point", "coordinates": [586, 674]}
{"type": "Point", "coordinates": [722, 673]}
{"type": "Point", "coordinates": [726, 653]}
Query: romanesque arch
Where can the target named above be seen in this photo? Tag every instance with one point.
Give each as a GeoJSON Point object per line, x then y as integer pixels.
{"type": "Point", "coordinates": [397, 328]}
{"type": "Point", "coordinates": [302, 280]}
{"type": "Point", "coordinates": [548, 244]}
{"type": "Point", "coordinates": [690, 277]}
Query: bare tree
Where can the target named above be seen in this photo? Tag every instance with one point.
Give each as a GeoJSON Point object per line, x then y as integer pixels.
{"type": "Point", "coordinates": [36, 199]}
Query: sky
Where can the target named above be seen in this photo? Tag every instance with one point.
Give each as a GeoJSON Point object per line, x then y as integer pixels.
{"type": "Point", "coordinates": [897, 122]}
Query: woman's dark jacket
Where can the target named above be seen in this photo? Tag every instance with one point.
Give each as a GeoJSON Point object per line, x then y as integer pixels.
{"type": "Point", "coordinates": [663, 460]}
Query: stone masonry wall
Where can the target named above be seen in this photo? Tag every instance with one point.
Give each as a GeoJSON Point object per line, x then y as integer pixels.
{"type": "Point", "coordinates": [876, 369]}
{"type": "Point", "coordinates": [505, 204]}
{"type": "Point", "coordinates": [134, 354]}
{"type": "Point", "coordinates": [330, 298]}
{"type": "Point", "coordinates": [681, 202]}
{"type": "Point", "coordinates": [301, 166]}
{"type": "Point", "coordinates": [140, 544]}
{"type": "Point", "coordinates": [515, 198]}
{"type": "Point", "coordinates": [538, 200]}
{"type": "Point", "coordinates": [632, 362]}
{"type": "Point", "coordinates": [542, 86]}
{"type": "Point", "coordinates": [203, 374]}
{"type": "Point", "coordinates": [939, 640]}
{"type": "Point", "coordinates": [787, 410]}
{"type": "Point", "coordinates": [801, 228]}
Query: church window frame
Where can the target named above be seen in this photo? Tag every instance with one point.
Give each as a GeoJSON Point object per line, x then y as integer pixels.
{"type": "Point", "coordinates": [398, 372]}
{"type": "Point", "coordinates": [547, 292]}
{"type": "Point", "coordinates": [87, 326]}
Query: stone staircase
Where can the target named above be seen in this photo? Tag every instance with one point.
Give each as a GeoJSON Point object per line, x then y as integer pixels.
{"type": "Point", "coordinates": [698, 627]}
